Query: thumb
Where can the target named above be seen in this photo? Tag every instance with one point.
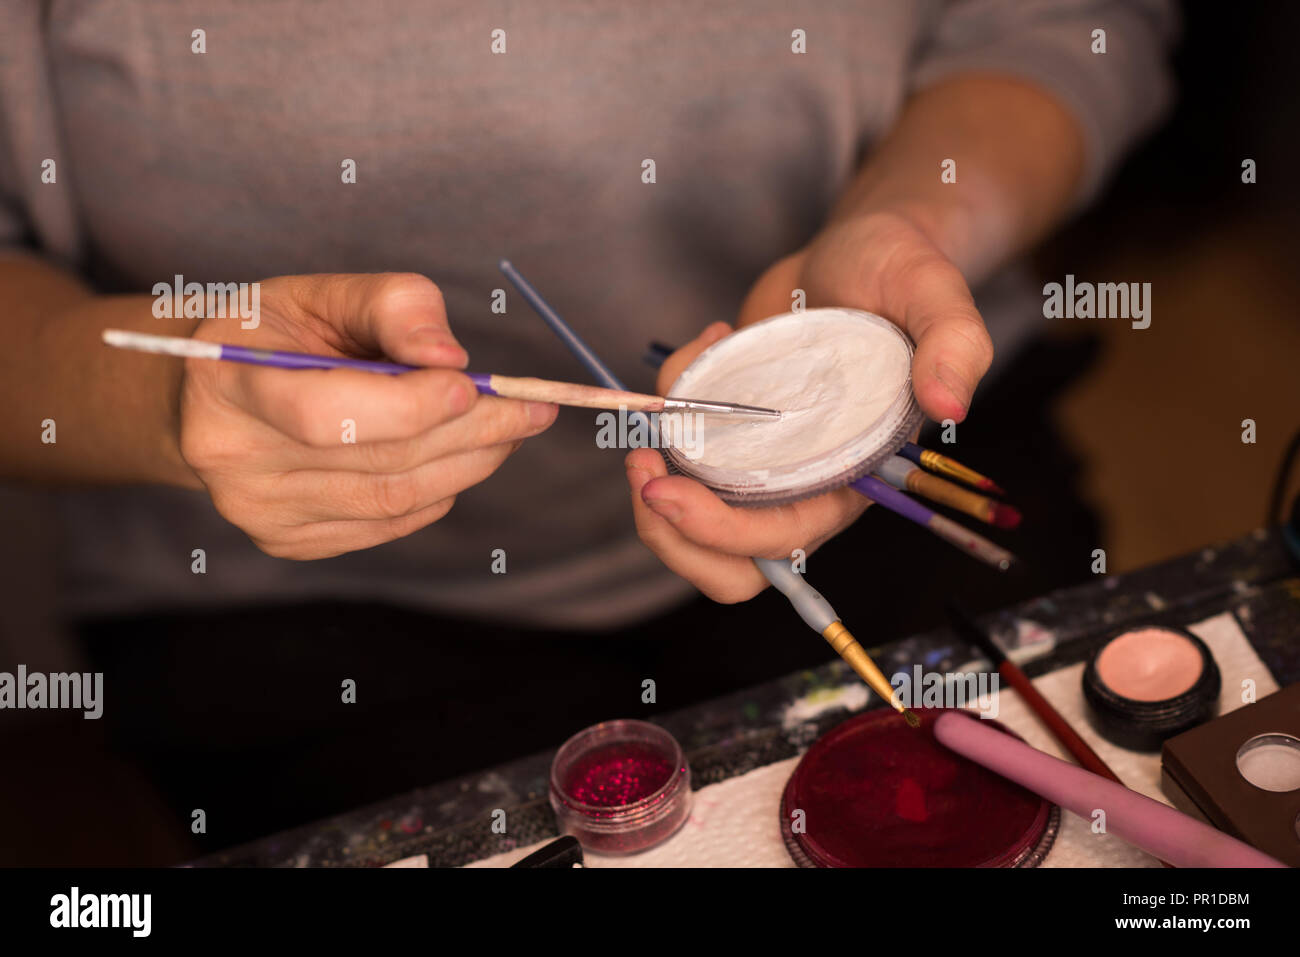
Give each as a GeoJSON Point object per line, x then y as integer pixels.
{"type": "Point", "coordinates": [931, 301]}
{"type": "Point", "coordinates": [401, 315]}
{"type": "Point", "coordinates": [953, 349]}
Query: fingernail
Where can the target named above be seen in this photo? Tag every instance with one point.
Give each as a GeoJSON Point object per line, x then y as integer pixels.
{"type": "Point", "coordinates": [952, 381]}
{"type": "Point", "coordinates": [665, 507]}
{"type": "Point", "coordinates": [541, 413]}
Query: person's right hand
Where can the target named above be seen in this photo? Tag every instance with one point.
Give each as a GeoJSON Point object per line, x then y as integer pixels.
{"type": "Point", "coordinates": [315, 463]}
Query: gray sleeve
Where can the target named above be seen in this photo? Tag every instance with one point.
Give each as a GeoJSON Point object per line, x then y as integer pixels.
{"type": "Point", "coordinates": [1116, 96]}
{"type": "Point", "coordinates": [32, 213]}
{"type": "Point", "coordinates": [13, 222]}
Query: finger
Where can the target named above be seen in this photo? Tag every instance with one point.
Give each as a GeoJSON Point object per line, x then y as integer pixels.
{"type": "Point", "coordinates": [953, 348]}
{"type": "Point", "coordinates": [676, 363]}
{"type": "Point", "coordinates": [721, 577]}
{"type": "Point", "coordinates": [328, 539]}
{"type": "Point", "coordinates": [327, 408]}
{"type": "Point", "coordinates": [494, 420]}
{"type": "Point", "coordinates": [703, 518]}
{"type": "Point", "coordinates": [322, 496]}
{"type": "Point", "coordinates": [399, 315]}
{"type": "Point", "coordinates": [490, 421]}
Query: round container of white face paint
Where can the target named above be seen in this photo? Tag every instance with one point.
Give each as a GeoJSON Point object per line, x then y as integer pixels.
{"type": "Point", "coordinates": [842, 380]}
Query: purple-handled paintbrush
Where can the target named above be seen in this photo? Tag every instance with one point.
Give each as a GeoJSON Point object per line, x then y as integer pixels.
{"type": "Point", "coordinates": [510, 387]}
{"type": "Point", "coordinates": [975, 545]}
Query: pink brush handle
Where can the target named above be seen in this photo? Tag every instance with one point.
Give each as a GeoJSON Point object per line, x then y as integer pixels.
{"type": "Point", "coordinates": [1156, 828]}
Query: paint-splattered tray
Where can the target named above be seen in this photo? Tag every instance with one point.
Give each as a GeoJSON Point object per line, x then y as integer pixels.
{"type": "Point", "coordinates": [726, 737]}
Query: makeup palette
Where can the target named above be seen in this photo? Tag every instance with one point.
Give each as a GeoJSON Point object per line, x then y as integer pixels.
{"type": "Point", "coordinates": [1241, 773]}
{"type": "Point", "coordinates": [620, 787]}
{"type": "Point", "coordinates": [842, 380]}
{"type": "Point", "coordinates": [874, 792]}
{"type": "Point", "coordinates": [1145, 685]}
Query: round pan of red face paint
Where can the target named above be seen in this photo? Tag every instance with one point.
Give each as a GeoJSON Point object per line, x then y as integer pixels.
{"type": "Point", "coordinates": [620, 787]}
{"type": "Point", "coordinates": [1149, 684]}
{"type": "Point", "coordinates": [874, 792]}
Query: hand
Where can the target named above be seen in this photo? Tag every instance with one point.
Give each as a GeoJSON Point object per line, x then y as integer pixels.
{"type": "Point", "coordinates": [882, 264]}
{"type": "Point", "coordinates": [272, 446]}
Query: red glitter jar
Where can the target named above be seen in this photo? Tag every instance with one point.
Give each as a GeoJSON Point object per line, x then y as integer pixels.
{"type": "Point", "coordinates": [620, 787]}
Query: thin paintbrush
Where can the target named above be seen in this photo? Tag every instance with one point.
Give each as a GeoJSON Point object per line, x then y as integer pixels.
{"type": "Point", "coordinates": [968, 629]}
{"type": "Point", "coordinates": [815, 610]}
{"type": "Point", "coordinates": [950, 467]}
{"type": "Point", "coordinates": [510, 387]}
{"type": "Point", "coordinates": [977, 546]}
{"type": "Point", "coordinates": [902, 474]}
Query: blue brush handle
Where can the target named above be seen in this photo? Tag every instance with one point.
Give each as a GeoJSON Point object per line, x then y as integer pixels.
{"type": "Point", "coordinates": [583, 352]}
{"type": "Point", "coordinates": [570, 338]}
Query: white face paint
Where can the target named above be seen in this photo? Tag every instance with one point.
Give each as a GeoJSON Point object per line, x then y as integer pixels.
{"type": "Point", "coordinates": [842, 380]}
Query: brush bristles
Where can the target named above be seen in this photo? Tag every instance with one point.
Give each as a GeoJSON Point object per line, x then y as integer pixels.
{"type": "Point", "coordinates": [910, 717]}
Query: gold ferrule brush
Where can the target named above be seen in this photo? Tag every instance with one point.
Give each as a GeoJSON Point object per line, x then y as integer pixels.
{"type": "Point", "coordinates": [848, 648]}
{"type": "Point", "coordinates": [951, 467]}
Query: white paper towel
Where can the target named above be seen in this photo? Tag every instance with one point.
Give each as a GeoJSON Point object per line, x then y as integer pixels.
{"type": "Point", "coordinates": [735, 823]}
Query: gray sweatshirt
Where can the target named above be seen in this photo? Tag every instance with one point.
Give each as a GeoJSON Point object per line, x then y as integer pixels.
{"type": "Point", "coordinates": [225, 166]}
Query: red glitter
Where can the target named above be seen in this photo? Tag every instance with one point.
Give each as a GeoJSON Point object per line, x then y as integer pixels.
{"type": "Point", "coordinates": [618, 774]}
{"type": "Point", "coordinates": [620, 787]}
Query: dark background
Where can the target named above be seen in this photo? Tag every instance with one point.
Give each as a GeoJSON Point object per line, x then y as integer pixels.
{"type": "Point", "coordinates": [440, 698]}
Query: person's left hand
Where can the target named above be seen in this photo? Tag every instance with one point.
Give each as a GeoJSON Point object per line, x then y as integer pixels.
{"type": "Point", "coordinates": [880, 263]}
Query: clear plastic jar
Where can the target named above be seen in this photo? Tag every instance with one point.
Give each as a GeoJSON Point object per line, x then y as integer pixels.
{"type": "Point", "coordinates": [620, 787]}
